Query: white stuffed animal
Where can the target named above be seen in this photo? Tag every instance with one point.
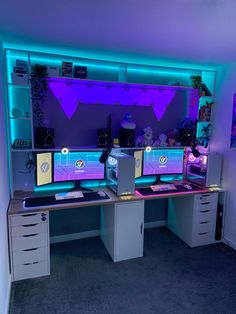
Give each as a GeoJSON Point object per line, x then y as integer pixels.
{"type": "Point", "coordinates": [145, 139]}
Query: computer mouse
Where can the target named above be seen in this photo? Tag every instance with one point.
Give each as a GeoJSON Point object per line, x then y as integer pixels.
{"type": "Point", "coordinates": [101, 193]}
{"type": "Point", "coordinates": [188, 187]}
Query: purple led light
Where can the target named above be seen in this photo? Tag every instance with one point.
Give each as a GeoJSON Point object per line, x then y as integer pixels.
{"type": "Point", "coordinates": [71, 93]}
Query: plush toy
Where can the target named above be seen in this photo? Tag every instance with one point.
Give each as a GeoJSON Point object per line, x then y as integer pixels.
{"type": "Point", "coordinates": [205, 136]}
{"type": "Point", "coordinates": [128, 122]}
{"type": "Point", "coordinates": [173, 137]}
{"type": "Point", "coordinates": [146, 138]}
{"type": "Point", "coordinates": [162, 140]}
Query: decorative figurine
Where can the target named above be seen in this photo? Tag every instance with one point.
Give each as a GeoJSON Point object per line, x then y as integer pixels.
{"type": "Point", "coordinates": [145, 139]}
{"type": "Point", "coordinates": [162, 140]}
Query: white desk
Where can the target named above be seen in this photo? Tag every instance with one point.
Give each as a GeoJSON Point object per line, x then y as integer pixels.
{"type": "Point", "coordinates": [191, 216]}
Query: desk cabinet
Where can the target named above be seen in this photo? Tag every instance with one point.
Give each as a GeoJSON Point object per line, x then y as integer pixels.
{"type": "Point", "coordinates": [29, 245]}
{"type": "Point", "coordinates": [122, 229]}
{"type": "Point", "coordinates": [193, 218]}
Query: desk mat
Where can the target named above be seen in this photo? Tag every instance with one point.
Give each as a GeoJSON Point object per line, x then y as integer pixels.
{"type": "Point", "coordinates": [180, 189]}
{"type": "Point", "coordinates": [31, 202]}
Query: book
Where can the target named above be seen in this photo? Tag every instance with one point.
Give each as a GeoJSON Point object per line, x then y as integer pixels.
{"type": "Point", "coordinates": [80, 71]}
{"type": "Point", "coordinates": [67, 69]}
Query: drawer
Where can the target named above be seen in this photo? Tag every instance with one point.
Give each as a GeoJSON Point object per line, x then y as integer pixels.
{"type": "Point", "coordinates": [30, 241]}
{"type": "Point", "coordinates": [202, 238]}
{"type": "Point", "coordinates": [29, 218]}
{"type": "Point", "coordinates": [208, 198]}
{"type": "Point", "coordinates": [205, 215]}
{"type": "Point", "coordinates": [30, 255]}
{"type": "Point", "coordinates": [31, 270]}
{"type": "Point", "coordinates": [206, 226]}
{"type": "Point", "coordinates": [29, 229]}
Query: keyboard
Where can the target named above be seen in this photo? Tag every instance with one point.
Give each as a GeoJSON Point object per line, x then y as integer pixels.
{"type": "Point", "coordinates": [163, 187]}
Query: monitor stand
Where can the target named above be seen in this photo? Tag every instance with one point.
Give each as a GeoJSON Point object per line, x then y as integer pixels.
{"type": "Point", "coordinates": [79, 187]}
{"type": "Point", "coordinates": [158, 180]}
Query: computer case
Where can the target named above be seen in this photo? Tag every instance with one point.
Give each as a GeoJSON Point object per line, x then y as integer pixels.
{"type": "Point", "coordinates": [204, 170]}
{"type": "Point", "coordinates": [120, 172]}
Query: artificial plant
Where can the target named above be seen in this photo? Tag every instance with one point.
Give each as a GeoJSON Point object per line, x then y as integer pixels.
{"type": "Point", "coordinates": [39, 87]}
{"type": "Point", "coordinates": [196, 81]}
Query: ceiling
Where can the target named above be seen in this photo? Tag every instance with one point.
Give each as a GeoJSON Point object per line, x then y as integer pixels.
{"type": "Point", "coordinates": [202, 31]}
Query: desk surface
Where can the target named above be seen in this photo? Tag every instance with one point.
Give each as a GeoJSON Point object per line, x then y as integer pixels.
{"type": "Point", "coordinates": [16, 204]}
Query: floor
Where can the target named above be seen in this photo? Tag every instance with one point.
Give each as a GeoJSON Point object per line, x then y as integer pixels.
{"type": "Point", "coordinates": [170, 278]}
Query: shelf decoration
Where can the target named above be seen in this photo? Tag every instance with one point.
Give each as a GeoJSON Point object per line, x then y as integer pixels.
{"type": "Point", "coordinates": [39, 87]}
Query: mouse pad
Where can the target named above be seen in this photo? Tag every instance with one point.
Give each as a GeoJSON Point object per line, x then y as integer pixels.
{"type": "Point", "coordinates": [180, 188]}
{"type": "Point", "coordinates": [31, 202]}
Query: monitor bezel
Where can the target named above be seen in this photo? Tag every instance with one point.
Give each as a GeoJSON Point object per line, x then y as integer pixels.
{"type": "Point", "coordinates": [163, 174]}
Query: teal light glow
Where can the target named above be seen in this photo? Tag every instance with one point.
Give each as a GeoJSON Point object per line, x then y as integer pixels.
{"type": "Point", "coordinates": [93, 184]}
{"type": "Point", "coordinates": [54, 187]}
{"type": "Point", "coordinates": [109, 56]}
{"type": "Point", "coordinates": [158, 71]}
{"type": "Point", "coordinates": [151, 179]}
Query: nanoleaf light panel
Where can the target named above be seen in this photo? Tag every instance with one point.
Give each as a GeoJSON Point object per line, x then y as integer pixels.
{"type": "Point", "coordinates": [71, 93]}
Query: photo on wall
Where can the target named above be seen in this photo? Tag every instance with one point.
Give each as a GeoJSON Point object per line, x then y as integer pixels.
{"type": "Point", "coordinates": [233, 130]}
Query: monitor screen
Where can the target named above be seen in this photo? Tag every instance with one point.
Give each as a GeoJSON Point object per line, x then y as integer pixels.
{"type": "Point", "coordinates": [163, 161]}
{"type": "Point", "coordinates": [77, 166]}
{"type": "Point", "coordinates": [138, 155]}
{"type": "Point", "coordinates": [43, 168]}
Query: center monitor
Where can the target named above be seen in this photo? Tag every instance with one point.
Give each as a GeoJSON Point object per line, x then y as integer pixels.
{"type": "Point", "coordinates": [160, 161]}
{"type": "Point", "coordinates": [76, 166]}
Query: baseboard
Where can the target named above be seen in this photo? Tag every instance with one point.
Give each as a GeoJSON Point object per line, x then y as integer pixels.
{"type": "Point", "coordinates": [74, 236]}
{"type": "Point", "coordinates": [230, 243]}
{"type": "Point", "coordinates": [6, 309]}
{"type": "Point", "coordinates": [154, 224]}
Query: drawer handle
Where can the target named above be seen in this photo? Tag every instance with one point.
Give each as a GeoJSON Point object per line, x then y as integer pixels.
{"type": "Point", "coordinates": [27, 250]}
{"type": "Point", "coordinates": [205, 195]}
{"type": "Point", "coordinates": [28, 215]}
{"type": "Point", "coordinates": [30, 235]}
{"type": "Point", "coordinates": [31, 225]}
{"type": "Point", "coordinates": [205, 211]}
{"type": "Point", "coordinates": [27, 264]}
{"type": "Point", "coordinates": [204, 222]}
{"type": "Point", "coordinates": [205, 203]}
{"type": "Point", "coordinates": [202, 233]}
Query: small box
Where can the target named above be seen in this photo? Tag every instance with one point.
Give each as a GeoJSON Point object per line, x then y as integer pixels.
{"type": "Point", "coordinates": [80, 72]}
{"type": "Point", "coordinates": [53, 71]}
{"type": "Point", "coordinates": [20, 79]}
{"type": "Point", "coordinates": [120, 170]}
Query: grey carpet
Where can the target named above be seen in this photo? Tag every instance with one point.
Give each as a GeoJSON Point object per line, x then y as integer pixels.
{"type": "Point", "coordinates": [170, 278]}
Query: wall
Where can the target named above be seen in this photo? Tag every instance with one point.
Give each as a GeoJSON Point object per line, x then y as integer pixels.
{"type": "Point", "coordinates": [222, 120]}
{"type": "Point", "coordinates": [4, 201]}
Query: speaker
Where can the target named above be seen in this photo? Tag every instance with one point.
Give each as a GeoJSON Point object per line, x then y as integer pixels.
{"type": "Point", "coordinates": [127, 137]}
{"type": "Point", "coordinates": [104, 137]}
{"type": "Point", "coordinates": [44, 137]}
{"type": "Point", "coordinates": [185, 137]}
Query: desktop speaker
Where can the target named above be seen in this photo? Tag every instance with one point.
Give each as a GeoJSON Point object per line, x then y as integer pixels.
{"type": "Point", "coordinates": [185, 137]}
{"type": "Point", "coordinates": [127, 137]}
{"type": "Point", "coordinates": [104, 137]}
{"type": "Point", "coordinates": [44, 137]}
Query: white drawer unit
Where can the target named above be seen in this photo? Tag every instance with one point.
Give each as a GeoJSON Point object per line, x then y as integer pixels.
{"type": "Point", "coordinates": [122, 229]}
{"type": "Point", "coordinates": [193, 218]}
{"type": "Point", "coordinates": [29, 245]}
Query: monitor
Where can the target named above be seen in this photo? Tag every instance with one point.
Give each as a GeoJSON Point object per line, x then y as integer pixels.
{"type": "Point", "coordinates": [78, 165]}
{"type": "Point", "coordinates": [138, 155]}
{"type": "Point", "coordinates": [43, 168]}
{"type": "Point", "coordinates": [160, 161]}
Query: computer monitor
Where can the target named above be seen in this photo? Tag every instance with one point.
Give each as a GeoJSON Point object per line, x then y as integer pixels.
{"type": "Point", "coordinates": [77, 166]}
{"type": "Point", "coordinates": [161, 161]}
{"type": "Point", "coordinates": [43, 168]}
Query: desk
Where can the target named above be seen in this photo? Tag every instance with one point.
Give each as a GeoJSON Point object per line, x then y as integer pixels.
{"type": "Point", "coordinates": [191, 216]}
